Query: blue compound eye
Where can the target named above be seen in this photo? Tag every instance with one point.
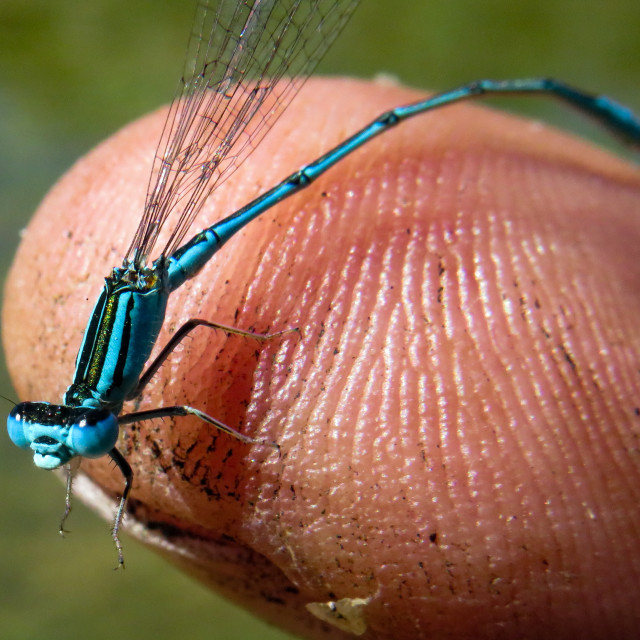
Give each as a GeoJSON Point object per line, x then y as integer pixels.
{"type": "Point", "coordinates": [16, 429]}
{"type": "Point", "coordinates": [95, 434]}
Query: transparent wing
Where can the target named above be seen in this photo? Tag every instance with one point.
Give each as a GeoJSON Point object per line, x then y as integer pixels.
{"type": "Point", "coordinates": [246, 60]}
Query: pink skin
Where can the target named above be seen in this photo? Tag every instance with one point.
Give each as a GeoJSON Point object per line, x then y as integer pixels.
{"type": "Point", "coordinates": [458, 418]}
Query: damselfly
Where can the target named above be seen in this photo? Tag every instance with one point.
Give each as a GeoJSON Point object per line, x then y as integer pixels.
{"type": "Point", "coordinates": [246, 61]}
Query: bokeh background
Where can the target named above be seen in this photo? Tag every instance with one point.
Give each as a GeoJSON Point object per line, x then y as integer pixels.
{"type": "Point", "coordinates": [71, 73]}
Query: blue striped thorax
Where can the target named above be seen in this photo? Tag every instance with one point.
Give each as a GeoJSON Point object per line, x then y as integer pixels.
{"type": "Point", "coordinates": [119, 337]}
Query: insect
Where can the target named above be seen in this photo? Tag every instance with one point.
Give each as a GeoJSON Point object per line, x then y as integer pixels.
{"type": "Point", "coordinates": [246, 61]}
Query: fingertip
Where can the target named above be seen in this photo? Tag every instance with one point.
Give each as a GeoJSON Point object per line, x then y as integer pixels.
{"type": "Point", "coordinates": [442, 281]}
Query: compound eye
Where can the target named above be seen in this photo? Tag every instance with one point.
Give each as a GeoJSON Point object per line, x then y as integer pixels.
{"type": "Point", "coordinates": [16, 429]}
{"type": "Point", "coordinates": [95, 434]}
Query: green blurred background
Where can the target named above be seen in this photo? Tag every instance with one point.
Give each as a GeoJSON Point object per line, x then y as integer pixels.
{"type": "Point", "coordinates": [71, 73]}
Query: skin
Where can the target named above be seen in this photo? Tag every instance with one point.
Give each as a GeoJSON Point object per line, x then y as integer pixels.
{"type": "Point", "coordinates": [458, 418]}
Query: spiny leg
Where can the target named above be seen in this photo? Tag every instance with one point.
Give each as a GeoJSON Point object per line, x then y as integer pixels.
{"type": "Point", "coordinates": [164, 412]}
{"type": "Point", "coordinates": [71, 469]}
{"type": "Point", "coordinates": [182, 333]}
{"type": "Point", "coordinates": [67, 500]}
{"type": "Point", "coordinates": [186, 410]}
{"type": "Point", "coordinates": [125, 469]}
